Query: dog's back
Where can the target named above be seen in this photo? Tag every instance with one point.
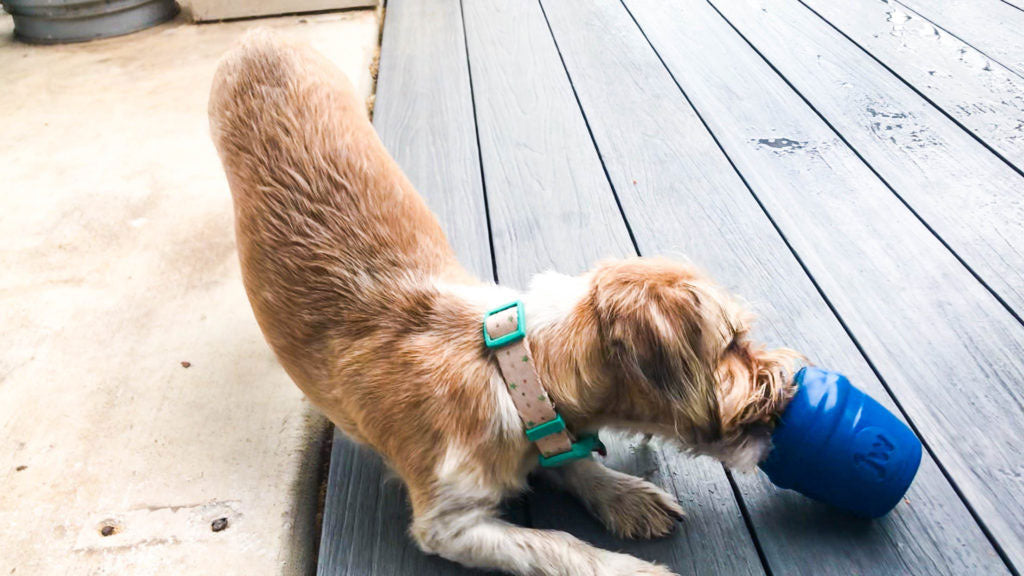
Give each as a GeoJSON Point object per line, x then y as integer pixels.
{"type": "Point", "coordinates": [328, 227]}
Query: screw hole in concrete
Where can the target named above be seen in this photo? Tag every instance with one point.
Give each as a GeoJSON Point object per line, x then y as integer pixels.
{"type": "Point", "coordinates": [109, 528]}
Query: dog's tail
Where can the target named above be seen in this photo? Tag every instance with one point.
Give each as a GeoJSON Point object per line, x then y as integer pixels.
{"type": "Point", "coordinates": [321, 209]}
{"type": "Point", "coordinates": [303, 162]}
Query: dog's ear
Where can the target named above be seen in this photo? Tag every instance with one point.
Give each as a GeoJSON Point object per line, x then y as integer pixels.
{"type": "Point", "coordinates": [650, 313]}
{"type": "Point", "coordinates": [755, 384]}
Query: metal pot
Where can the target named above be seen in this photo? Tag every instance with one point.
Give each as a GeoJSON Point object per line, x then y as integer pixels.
{"type": "Point", "coordinates": [59, 21]}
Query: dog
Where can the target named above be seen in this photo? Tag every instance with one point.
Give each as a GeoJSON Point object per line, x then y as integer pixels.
{"type": "Point", "coordinates": [362, 299]}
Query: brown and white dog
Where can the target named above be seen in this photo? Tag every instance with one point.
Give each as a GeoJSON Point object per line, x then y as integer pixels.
{"type": "Point", "coordinates": [360, 296]}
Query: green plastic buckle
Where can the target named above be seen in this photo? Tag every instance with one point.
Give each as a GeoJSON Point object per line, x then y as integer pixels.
{"type": "Point", "coordinates": [581, 449]}
{"type": "Point", "coordinates": [546, 429]}
{"type": "Point", "coordinates": [519, 333]}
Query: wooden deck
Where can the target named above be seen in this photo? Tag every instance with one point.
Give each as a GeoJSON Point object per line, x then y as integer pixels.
{"type": "Point", "coordinates": [853, 168]}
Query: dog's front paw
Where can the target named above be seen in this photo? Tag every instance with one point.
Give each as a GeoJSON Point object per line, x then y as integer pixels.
{"type": "Point", "coordinates": [634, 508]}
{"type": "Point", "coordinates": [614, 564]}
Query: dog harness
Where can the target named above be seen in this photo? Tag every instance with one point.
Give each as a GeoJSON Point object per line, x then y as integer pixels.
{"type": "Point", "coordinates": [505, 334]}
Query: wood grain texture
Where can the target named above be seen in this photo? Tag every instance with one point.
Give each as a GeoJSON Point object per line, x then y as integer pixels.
{"type": "Point", "coordinates": [969, 197]}
{"type": "Point", "coordinates": [551, 207]}
{"type": "Point", "coordinates": [981, 94]}
{"type": "Point", "coordinates": [547, 194]}
{"type": "Point", "coordinates": [680, 193]}
{"type": "Point", "coordinates": [992, 26]}
{"type": "Point", "coordinates": [928, 326]}
{"type": "Point", "coordinates": [424, 115]}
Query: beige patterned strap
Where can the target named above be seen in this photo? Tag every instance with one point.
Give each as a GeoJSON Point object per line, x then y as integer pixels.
{"type": "Point", "coordinates": [528, 394]}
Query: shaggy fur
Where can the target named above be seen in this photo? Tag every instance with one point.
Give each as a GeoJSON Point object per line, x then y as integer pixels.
{"type": "Point", "coordinates": [360, 296]}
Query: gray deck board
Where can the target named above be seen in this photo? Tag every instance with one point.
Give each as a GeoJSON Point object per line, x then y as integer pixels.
{"type": "Point", "coordinates": [992, 26]}
{"type": "Point", "coordinates": [680, 193]}
{"type": "Point", "coordinates": [967, 195]}
{"type": "Point", "coordinates": [922, 319]}
{"type": "Point", "coordinates": [549, 202]}
{"type": "Point", "coordinates": [945, 348]}
{"type": "Point", "coordinates": [551, 207]}
{"type": "Point", "coordinates": [424, 115]}
{"type": "Point", "coordinates": [981, 94]}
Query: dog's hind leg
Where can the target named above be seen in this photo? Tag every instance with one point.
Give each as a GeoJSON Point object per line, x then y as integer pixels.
{"type": "Point", "coordinates": [628, 506]}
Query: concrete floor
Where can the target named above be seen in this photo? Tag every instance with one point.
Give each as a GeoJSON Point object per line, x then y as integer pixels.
{"type": "Point", "coordinates": [119, 270]}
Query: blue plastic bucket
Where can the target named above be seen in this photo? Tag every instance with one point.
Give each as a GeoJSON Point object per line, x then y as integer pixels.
{"type": "Point", "coordinates": [836, 444]}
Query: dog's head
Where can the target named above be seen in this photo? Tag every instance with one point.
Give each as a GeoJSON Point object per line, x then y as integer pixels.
{"type": "Point", "coordinates": [673, 359]}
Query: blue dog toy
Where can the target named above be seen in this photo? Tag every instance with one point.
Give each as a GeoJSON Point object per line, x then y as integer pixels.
{"type": "Point", "coordinates": [838, 445]}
